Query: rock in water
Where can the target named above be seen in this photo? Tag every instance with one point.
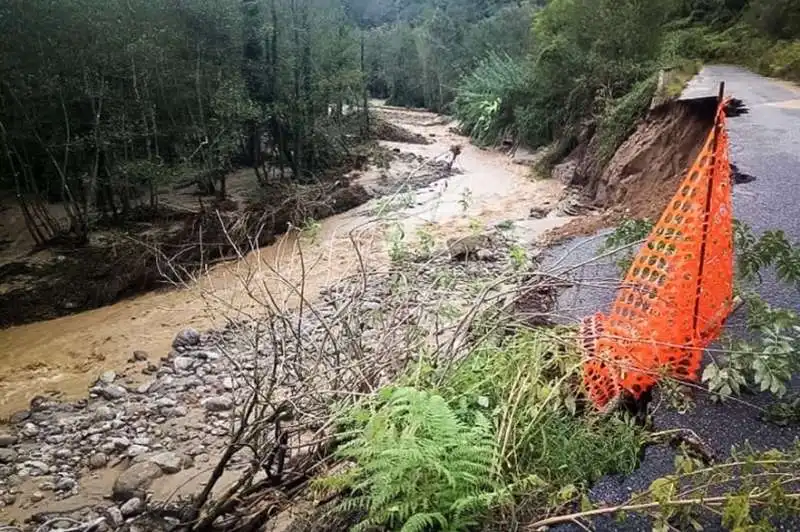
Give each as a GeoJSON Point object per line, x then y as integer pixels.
{"type": "Point", "coordinates": [108, 377]}
{"type": "Point", "coordinates": [186, 338]}
{"type": "Point", "coordinates": [134, 481]}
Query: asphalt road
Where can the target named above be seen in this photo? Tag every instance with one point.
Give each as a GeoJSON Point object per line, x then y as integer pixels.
{"type": "Point", "coordinates": [765, 144]}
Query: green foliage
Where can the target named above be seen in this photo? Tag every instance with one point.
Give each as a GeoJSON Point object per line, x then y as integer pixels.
{"type": "Point", "coordinates": [501, 427]}
{"type": "Point", "coordinates": [620, 116]}
{"type": "Point", "coordinates": [623, 238]}
{"type": "Point", "coordinates": [487, 97]}
{"type": "Point", "coordinates": [417, 464]}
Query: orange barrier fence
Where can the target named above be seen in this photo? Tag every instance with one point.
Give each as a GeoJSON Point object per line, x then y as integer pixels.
{"type": "Point", "coordinates": [678, 292]}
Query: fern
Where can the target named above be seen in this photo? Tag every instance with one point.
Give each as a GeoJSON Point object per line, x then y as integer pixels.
{"type": "Point", "coordinates": [417, 465]}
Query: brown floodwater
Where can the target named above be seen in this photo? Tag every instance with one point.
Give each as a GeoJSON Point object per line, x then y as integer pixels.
{"type": "Point", "coordinates": [64, 356]}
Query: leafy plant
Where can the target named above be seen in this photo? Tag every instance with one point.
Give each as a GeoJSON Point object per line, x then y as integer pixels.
{"type": "Point", "coordinates": [311, 229]}
{"type": "Point", "coordinates": [466, 199]}
{"type": "Point", "coordinates": [417, 465]}
{"type": "Point", "coordinates": [398, 249]}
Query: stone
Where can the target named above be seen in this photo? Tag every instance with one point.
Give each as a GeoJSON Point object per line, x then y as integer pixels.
{"type": "Point", "coordinates": [178, 411]}
{"type": "Point", "coordinates": [136, 450]}
{"type": "Point", "coordinates": [115, 516]}
{"type": "Point", "coordinates": [132, 507]}
{"type": "Point", "coordinates": [183, 363]}
{"type": "Point", "coordinates": [166, 402]}
{"type": "Point", "coordinates": [134, 481]}
{"type": "Point", "coordinates": [108, 377]}
{"type": "Point", "coordinates": [9, 499]}
{"type": "Point", "coordinates": [217, 404]}
{"type": "Point", "coordinates": [120, 442]}
{"type": "Point", "coordinates": [140, 356]}
{"type": "Point", "coordinates": [104, 413]}
{"type": "Point", "coordinates": [8, 456]}
{"type": "Point", "coordinates": [63, 454]}
{"type": "Point", "coordinates": [98, 461]}
{"type": "Point", "coordinates": [37, 496]}
{"type": "Point", "coordinates": [7, 439]}
{"type": "Point", "coordinates": [186, 338]}
{"type": "Point", "coordinates": [30, 430]}
{"type": "Point", "coordinates": [539, 212]}
{"type": "Point", "coordinates": [169, 462]}
{"type": "Point", "coordinates": [484, 255]}
{"type": "Point", "coordinates": [65, 484]}
{"type": "Point", "coordinates": [145, 387]}
{"type": "Point", "coordinates": [38, 465]}
{"type": "Point", "coordinates": [110, 392]}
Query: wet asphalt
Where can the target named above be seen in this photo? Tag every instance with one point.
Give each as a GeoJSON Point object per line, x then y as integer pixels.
{"type": "Point", "coordinates": [765, 146]}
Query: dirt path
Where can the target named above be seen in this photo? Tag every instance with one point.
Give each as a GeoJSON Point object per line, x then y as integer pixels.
{"type": "Point", "coordinates": [62, 357]}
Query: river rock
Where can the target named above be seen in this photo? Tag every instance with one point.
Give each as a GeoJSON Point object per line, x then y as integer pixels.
{"type": "Point", "coordinates": [7, 439]}
{"type": "Point", "coordinates": [134, 481]}
{"type": "Point", "coordinates": [37, 465]}
{"type": "Point", "coordinates": [140, 356]}
{"type": "Point", "coordinates": [18, 417]}
{"type": "Point", "coordinates": [186, 338]}
{"type": "Point", "coordinates": [37, 496]}
{"type": "Point", "coordinates": [104, 413]}
{"type": "Point", "coordinates": [108, 377]}
{"type": "Point", "coordinates": [110, 391]}
{"type": "Point", "coordinates": [218, 404]}
{"type": "Point", "coordinates": [136, 450]}
{"type": "Point", "coordinates": [8, 456]}
{"type": "Point", "coordinates": [98, 461]}
{"type": "Point", "coordinates": [115, 516]}
{"type": "Point", "coordinates": [30, 430]}
{"type": "Point", "coordinates": [132, 507]}
{"type": "Point", "coordinates": [65, 484]}
{"type": "Point", "coordinates": [120, 442]}
{"type": "Point", "coordinates": [182, 363]}
{"type": "Point", "coordinates": [170, 462]}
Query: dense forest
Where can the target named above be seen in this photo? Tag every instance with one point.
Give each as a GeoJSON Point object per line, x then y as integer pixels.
{"type": "Point", "coordinates": [102, 102]}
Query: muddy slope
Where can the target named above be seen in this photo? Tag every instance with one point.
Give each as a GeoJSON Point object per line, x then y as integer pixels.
{"type": "Point", "coordinates": [644, 171]}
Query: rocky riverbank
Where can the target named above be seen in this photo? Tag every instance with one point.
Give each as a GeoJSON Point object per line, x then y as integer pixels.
{"type": "Point", "coordinates": [129, 445]}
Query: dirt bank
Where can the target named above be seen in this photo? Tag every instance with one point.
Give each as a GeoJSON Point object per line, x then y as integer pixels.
{"type": "Point", "coordinates": [644, 172]}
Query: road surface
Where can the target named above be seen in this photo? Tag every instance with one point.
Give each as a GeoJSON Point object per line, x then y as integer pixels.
{"type": "Point", "coordinates": [765, 143]}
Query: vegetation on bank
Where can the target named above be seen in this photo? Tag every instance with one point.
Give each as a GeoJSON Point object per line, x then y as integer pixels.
{"type": "Point", "coordinates": [596, 62]}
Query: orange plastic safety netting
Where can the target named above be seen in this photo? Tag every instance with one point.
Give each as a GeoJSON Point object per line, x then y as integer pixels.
{"type": "Point", "coordinates": [677, 293]}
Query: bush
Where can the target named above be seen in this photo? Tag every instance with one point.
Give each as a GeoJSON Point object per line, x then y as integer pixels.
{"type": "Point", "coordinates": [486, 99]}
{"type": "Point", "coordinates": [502, 427]}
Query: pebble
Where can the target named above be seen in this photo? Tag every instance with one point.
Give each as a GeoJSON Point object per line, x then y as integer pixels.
{"type": "Point", "coordinates": [183, 363]}
{"type": "Point", "coordinates": [108, 377]}
{"type": "Point", "coordinates": [136, 450]}
{"type": "Point", "coordinates": [8, 456]}
{"type": "Point", "coordinates": [166, 402]}
{"type": "Point", "coordinates": [104, 413]}
{"type": "Point", "coordinates": [140, 356]}
{"type": "Point", "coordinates": [186, 338]}
{"type": "Point", "coordinates": [218, 404]}
{"type": "Point", "coordinates": [30, 430]}
{"type": "Point", "coordinates": [132, 507]}
{"type": "Point", "coordinates": [115, 516]}
{"type": "Point", "coordinates": [65, 484]}
{"type": "Point", "coordinates": [7, 439]}
{"type": "Point", "coordinates": [37, 496]}
{"type": "Point", "coordinates": [120, 442]}
{"type": "Point", "coordinates": [111, 391]}
{"type": "Point", "coordinates": [98, 460]}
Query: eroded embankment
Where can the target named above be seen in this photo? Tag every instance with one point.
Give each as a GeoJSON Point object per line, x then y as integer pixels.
{"type": "Point", "coordinates": [644, 171]}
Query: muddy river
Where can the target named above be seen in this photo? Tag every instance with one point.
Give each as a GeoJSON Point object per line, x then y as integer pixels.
{"type": "Point", "coordinates": [62, 357]}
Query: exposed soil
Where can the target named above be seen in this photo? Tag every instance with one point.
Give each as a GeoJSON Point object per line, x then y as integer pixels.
{"type": "Point", "coordinates": [644, 172]}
